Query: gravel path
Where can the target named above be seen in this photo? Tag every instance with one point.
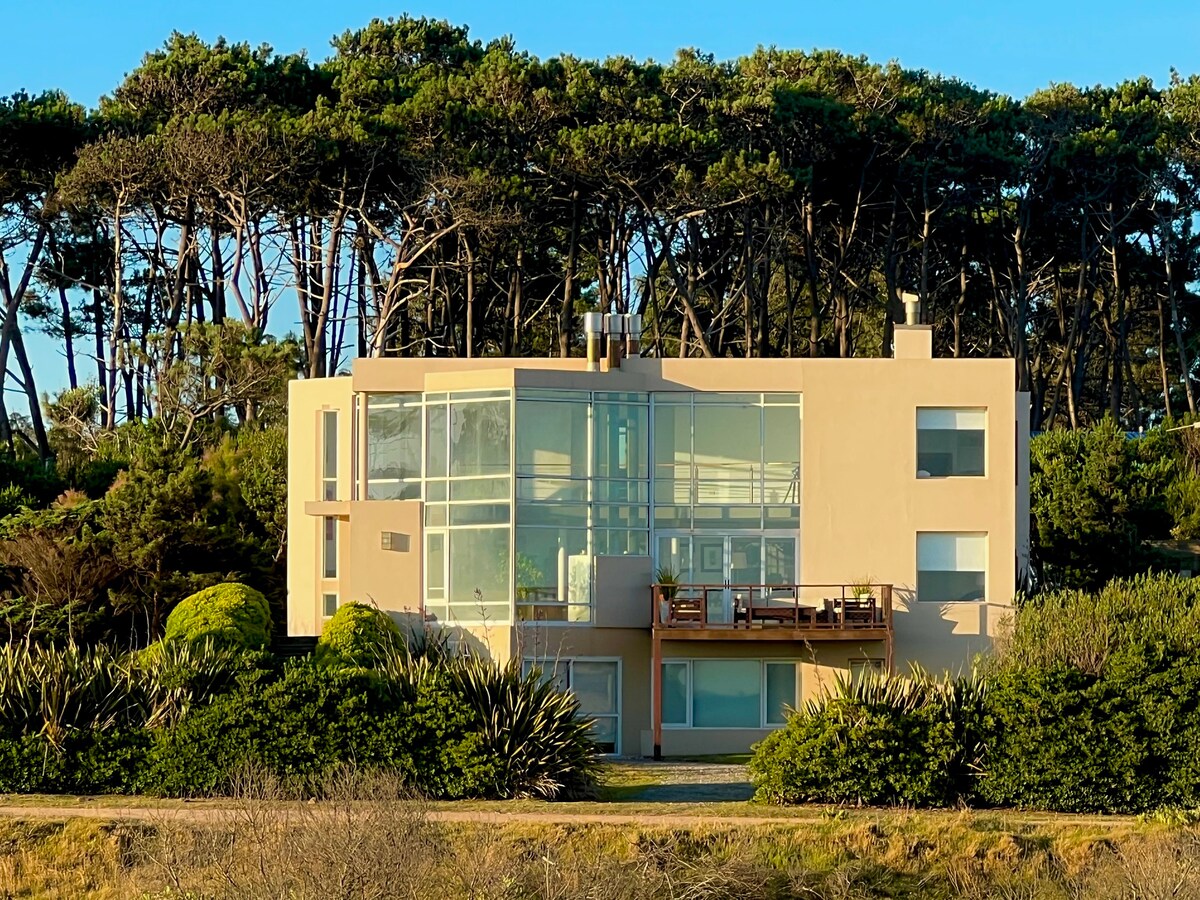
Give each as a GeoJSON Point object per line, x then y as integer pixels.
{"type": "Point", "coordinates": [692, 782]}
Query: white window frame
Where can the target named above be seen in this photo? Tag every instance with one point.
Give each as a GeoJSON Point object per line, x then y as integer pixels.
{"type": "Point", "coordinates": [547, 664]}
{"type": "Point", "coordinates": [953, 410]}
{"type": "Point", "coordinates": [330, 481]}
{"type": "Point", "coordinates": [863, 664]}
{"type": "Point", "coordinates": [325, 595]}
{"type": "Point", "coordinates": [987, 578]}
{"type": "Point", "coordinates": [328, 545]}
{"type": "Point", "coordinates": [764, 725]}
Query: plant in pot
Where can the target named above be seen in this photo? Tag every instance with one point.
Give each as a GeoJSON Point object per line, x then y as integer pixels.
{"type": "Point", "coordinates": [861, 588]}
{"type": "Point", "coordinates": [667, 580]}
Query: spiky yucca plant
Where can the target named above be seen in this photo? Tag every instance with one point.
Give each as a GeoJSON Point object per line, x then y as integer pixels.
{"type": "Point", "coordinates": [535, 731]}
{"type": "Point", "coordinates": [55, 691]}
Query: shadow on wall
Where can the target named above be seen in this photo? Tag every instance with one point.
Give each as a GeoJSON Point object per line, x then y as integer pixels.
{"type": "Point", "coordinates": [415, 627]}
{"type": "Point", "coordinates": [944, 638]}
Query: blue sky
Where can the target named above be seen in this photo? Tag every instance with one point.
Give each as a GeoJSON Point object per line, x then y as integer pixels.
{"type": "Point", "coordinates": [85, 47]}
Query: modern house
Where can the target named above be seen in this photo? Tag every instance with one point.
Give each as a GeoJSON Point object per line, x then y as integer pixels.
{"type": "Point", "coordinates": [690, 545]}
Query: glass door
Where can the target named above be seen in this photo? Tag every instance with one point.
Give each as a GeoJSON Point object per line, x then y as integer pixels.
{"type": "Point", "coordinates": [710, 566]}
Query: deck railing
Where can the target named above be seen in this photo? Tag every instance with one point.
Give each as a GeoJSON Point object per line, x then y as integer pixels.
{"type": "Point", "coordinates": [817, 607]}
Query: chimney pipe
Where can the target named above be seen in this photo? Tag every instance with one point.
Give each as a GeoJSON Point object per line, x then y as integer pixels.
{"type": "Point", "coordinates": [593, 328]}
{"type": "Point", "coordinates": [912, 308]}
{"type": "Point", "coordinates": [633, 334]}
{"type": "Point", "coordinates": [612, 328]}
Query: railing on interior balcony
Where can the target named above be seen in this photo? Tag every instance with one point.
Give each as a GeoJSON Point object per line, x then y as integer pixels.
{"type": "Point", "coordinates": [832, 607]}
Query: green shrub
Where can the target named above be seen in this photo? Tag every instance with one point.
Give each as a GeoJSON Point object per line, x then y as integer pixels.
{"type": "Point", "coordinates": [313, 719]}
{"type": "Point", "coordinates": [357, 635]}
{"type": "Point", "coordinates": [1095, 700]}
{"type": "Point", "coordinates": [87, 762]}
{"type": "Point", "coordinates": [228, 615]}
{"type": "Point", "coordinates": [1066, 741]}
{"type": "Point", "coordinates": [884, 740]}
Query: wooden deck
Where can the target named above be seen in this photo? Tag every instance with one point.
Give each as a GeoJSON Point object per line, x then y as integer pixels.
{"type": "Point", "coordinates": [770, 612]}
{"type": "Point", "coordinates": [805, 613]}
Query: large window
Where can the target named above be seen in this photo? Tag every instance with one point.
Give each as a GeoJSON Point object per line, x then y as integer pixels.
{"type": "Point", "coordinates": [741, 559]}
{"type": "Point", "coordinates": [581, 469]}
{"type": "Point", "coordinates": [951, 566]}
{"type": "Point", "coordinates": [950, 442]}
{"type": "Point", "coordinates": [393, 446]}
{"type": "Point", "coordinates": [519, 496]}
{"type": "Point", "coordinates": [596, 684]}
{"type": "Point", "coordinates": [727, 693]}
{"type": "Point", "coordinates": [726, 461]}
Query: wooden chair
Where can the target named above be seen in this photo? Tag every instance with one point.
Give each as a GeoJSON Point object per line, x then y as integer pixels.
{"type": "Point", "coordinates": [686, 609]}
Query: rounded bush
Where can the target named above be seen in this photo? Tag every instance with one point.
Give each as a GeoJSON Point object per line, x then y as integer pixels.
{"type": "Point", "coordinates": [356, 635]}
{"type": "Point", "coordinates": [229, 615]}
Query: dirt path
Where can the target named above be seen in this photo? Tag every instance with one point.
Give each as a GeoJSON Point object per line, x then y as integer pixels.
{"type": "Point", "coordinates": [206, 814]}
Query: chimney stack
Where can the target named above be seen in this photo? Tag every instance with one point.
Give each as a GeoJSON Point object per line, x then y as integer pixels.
{"type": "Point", "coordinates": [912, 308]}
{"type": "Point", "coordinates": [633, 334]}
{"type": "Point", "coordinates": [612, 326]}
{"type": "Point", "coordinates": [593, 329]}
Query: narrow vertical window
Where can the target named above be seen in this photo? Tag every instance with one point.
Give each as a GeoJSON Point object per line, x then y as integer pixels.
{"type": "Point", "coordinates": [329, 552]}
{"type": "Point", "coordinates": [329, 605]}
{"type": "Point", "coordinates": [329, 454]}
{"type": "Point", "coordinates": [780, 679]}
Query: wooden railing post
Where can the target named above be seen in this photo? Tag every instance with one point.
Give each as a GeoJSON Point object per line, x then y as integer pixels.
{"type": "Point", "coordinates": [656, 691]}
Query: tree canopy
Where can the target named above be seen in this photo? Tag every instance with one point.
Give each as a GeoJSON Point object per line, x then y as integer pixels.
{"type": "Point", "coordinates": [419, 193]}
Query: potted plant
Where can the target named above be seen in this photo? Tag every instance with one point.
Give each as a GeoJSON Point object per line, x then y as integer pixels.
{"type": "Point", "coordinates": [861, 588]}
{"type": "Point", "coordinates": [667, 580]}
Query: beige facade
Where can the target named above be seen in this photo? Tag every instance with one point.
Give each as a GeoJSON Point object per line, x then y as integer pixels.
{"type": "Point", "coordinates": [866, 510]}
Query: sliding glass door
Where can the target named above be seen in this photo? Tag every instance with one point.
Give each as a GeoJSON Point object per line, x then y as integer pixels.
{"type": "Point", "coordinates": [729, 559]}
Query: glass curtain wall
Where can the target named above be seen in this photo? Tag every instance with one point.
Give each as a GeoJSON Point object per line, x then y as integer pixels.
{"type": "Point", "coordinates": [468, 506]}
{"type": "Point", "coordinates": [454, 451]}
{"type": "Point", "coordinates": [575, 463]}
{"type": "Point", "coordinates": [581, 467]}
{"type": "Point", "coordinates": [726, 475]}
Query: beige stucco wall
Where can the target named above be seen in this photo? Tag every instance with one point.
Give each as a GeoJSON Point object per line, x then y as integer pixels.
{"type": "Point", "coordinates": [862, 506]}
{"type": "Point", "coordinates": [306, 400]}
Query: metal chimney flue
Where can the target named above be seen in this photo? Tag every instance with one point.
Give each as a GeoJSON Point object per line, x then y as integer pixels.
{"type": "Point", "coordinates": [633, 334]}
{"type": "Point", "coordinates": [613, 331]}
{"type": "Point", "coordinates": [593, 329]}
{"type": "Point", "coordinates": [912, 308]}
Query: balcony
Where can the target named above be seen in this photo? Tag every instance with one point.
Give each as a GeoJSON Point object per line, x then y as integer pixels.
{"type": "Point", "coordinates": [774, 612]}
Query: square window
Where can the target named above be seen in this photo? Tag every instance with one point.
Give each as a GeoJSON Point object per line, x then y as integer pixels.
{"type": "Point", "coordinates": [951, 566]}
{"type": "Point", "coordinates": [329, 605]}
{"type": "Point", "coordinates": [726, 693]}
{"type": "Point", "coordinates": [862, 669]}
{"type": "Point", "coordinates": [950, 442]}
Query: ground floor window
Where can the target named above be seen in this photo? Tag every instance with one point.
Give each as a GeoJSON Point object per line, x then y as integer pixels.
{"type": "Point", "coordinates": [596, 684]}
{"type": "Point", "coordinates": [727, 693]}
{"type": "Point", "coordinates": [863, 669]}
